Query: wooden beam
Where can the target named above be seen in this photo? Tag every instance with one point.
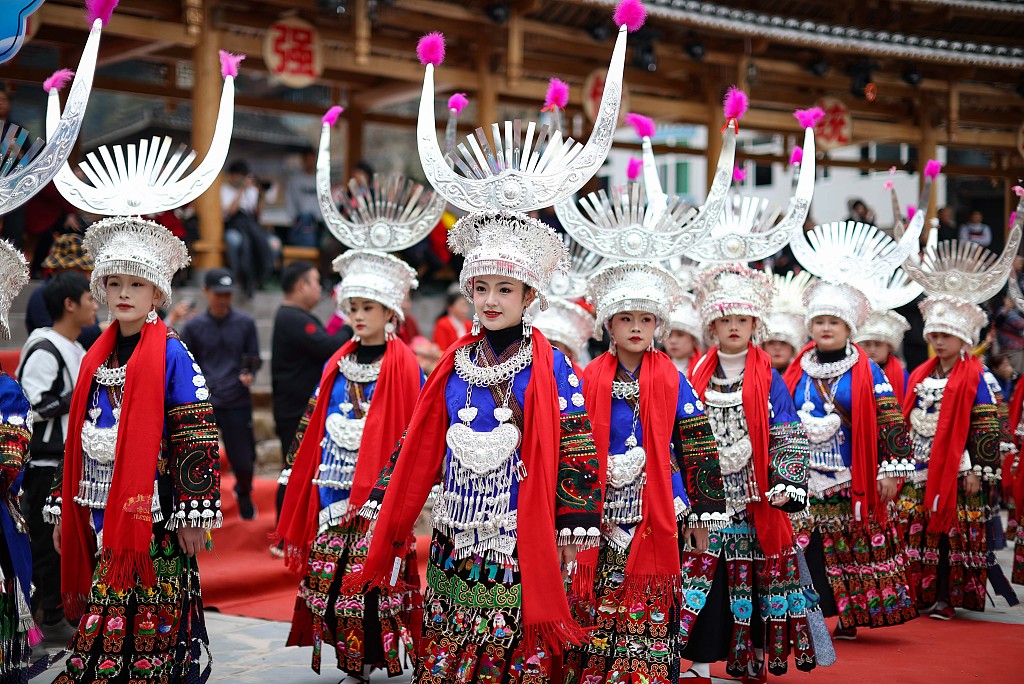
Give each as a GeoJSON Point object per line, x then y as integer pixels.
{"type": "Point", "coordinates": [124, 50]}
{"type": "Point", "coordinates": [387, 95]}
{"type": "Point", "coordinates": [361, 32]}
{"type": "Point", "coordinates": [119, 25]}
{"type": "Point", "coordinates": [514, 66]}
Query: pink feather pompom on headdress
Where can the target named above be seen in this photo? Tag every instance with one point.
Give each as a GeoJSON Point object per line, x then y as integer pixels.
{"type": "Point", "coordinates": [739, 174]}
{"type": "Point", "coordinates": [430, 49]}
{"type": "Point", "coordinates": [797, 156]}
{"type": "Point", "coordinates": [630, 13]}
{"type": "Point", "coordinates": [58, 80]}
{"type": "Point", "coordinates": [911, 210]}
{"type": "Point", "coordinates": [634, 168]}
{"type": "Point", "coordinates": [229, 63]}
{"type": "Point", "coordinates": [557, 95]}
{"type": "Point", "coordinates": [99, 9]}
{"type": "Point", "coordinates": [331, 117]}
{"type": "Point", "coordinates": [809, 118]}
{"type": "Point", "coordinates": [932, 169]}
{"type": "Point", "coordinates": [1018, 191]}
{"type": "Point", "coordinates": [643, 125]}
{"type": "Point", "coordinates": [458, 102]}
{"type": "Point", "coordinates": [888, 185]}
{"type": "Point", "coordinates": [735, 104]}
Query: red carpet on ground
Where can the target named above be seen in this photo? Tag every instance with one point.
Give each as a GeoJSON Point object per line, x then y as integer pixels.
{"type": "Point", "coordinates": [240, 577]}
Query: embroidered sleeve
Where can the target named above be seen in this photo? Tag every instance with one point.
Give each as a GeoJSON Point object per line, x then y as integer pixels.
{"type": "Point", "coordinates": [300, 432]}
{"type": "Point", "coordinates": [194, 466]}
{"type": "Point", "coordinates": [53, 503]}
{"type": "Point", "coordinates": [372, 506]}
{"type": "Point", "coordinates": [578, 498]}
{"type": "Point", "coordinates": [15, 434]}
{"type": "Point", "coordinates": [895, 453]}
{"type": "Point", "coordinates": [788, 449]}
{"type": "Point", "coordinates": [1006, 442]}
{"type": "Point", "coordinates": [983, 442]}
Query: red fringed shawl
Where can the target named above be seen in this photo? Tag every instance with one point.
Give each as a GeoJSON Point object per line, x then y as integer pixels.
{"type": "Point", "coordinates": [894, 373]}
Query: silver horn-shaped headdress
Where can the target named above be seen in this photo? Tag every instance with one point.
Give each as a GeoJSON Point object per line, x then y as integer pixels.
{"type": "Point", "coordinates": [388, 213]}
{"type": "Point", "coordinates": [638, 222]}
{"type": "Point", "coordinates": [148, 178]}
{"type": "Point", "coordinates": [13, 277]}
{"type": "Point", "coordinates": [964, 269]}
{"type": "Point", "coordinates": [517, 170]}
{"type": "Point", "coordinates": [40, 163]}
{"type": "Point", "coordinates": [746, 229]}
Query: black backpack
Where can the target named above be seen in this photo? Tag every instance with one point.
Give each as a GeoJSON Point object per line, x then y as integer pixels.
{"type": "Point", "coordinates": [54, 403]}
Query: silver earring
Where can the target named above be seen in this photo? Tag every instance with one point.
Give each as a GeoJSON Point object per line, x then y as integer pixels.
{"type": "Point", "coordinates": [151, 316]}
{"type": "Point", "coordinates": [963, 354]}
{"type": "Point", "coordinates": [389, 330]}
{"type": "Point", "coordinates": [527, 324]}
{"type": "Point", "coordinates": [476, 325]}
{"type": "Point", "coordinates": [613, 348]}
{"type": "Point", "coordinates": [848, 349]}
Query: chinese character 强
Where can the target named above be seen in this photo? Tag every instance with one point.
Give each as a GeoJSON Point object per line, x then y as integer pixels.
{"type": "Point", "coordinates": [294, 46]}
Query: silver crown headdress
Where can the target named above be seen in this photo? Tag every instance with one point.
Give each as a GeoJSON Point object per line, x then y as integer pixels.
{"type": "Point", "coordinates": [22, 178]}
{"type": "Point", "coordinates": [148, 178]}
{"type": "Point", "coordinates": [509, 244]}
{"type": "Point", "coordinates": [959, 275]}
{"type": "Point", "coordinates": [13, 277]}
{"type": "Point", "coordinates": [640, 222]}
{"type": "Point", "coordinates": [883, 326]}
{"type": "Point", "coordinates": [686, 318]}
{"type": "Point", "coordinates": [842, 300]}
{"type": "Point", "coordinates": [374, 275]}
{"type": "Point", "coordinates": [567, 323]}
{"type": "Point", "coordinates": [785, 320]}
{"type": "Point", "coordinates": [389, 214]}
{"type": "Point", "coordinates": [746, 229]}
{"type": "Point", "coordinates": [123, 245]}
{"type": "Point", "coordinates": [733, 290]}
{"type": "Point", "coordinates": [633, 286]}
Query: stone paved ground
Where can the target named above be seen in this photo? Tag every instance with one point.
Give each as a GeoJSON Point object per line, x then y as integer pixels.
{"type": "Point", "coordinates": [248, 650]}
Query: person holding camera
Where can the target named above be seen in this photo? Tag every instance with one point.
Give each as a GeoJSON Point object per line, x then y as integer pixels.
{"type": "Point", "coordinates": [224, 343]}
{"type": "Point", "coordinates": [48, 370]}
{"type": "Point", "coordinates": [250, 253]}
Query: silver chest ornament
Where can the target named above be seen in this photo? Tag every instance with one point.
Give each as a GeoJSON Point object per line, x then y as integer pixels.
{"type": "Point", "coordinates": [735, 451]}
{"type": "Point", "coordinates": [627, 471]}
{"type": "Point", "coordinates": [924, 417]}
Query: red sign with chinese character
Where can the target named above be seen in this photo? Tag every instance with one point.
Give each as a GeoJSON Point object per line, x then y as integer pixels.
{"type": "Point", "coordinates": [293, 53]}
{"type": "Point", "coordinates": [835, 129]}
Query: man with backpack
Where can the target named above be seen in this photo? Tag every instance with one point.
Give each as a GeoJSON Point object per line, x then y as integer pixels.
{"type": "Point", "coordinates": [47, 372]}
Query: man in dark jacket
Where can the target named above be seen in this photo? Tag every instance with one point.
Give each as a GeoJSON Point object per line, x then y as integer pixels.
{"type": "Point", "coordinates": [224, 343]}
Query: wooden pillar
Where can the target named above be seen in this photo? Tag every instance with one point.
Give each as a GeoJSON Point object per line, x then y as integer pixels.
{"type": "Point", "coordinates": [361, 29]}
{"type": "Point", "coordinates": [515, 48]}
{"type": "Point", "coordinates": [209, 248]}
{"type": "Point", "coordinates": [927, 150]}
{"type": "Point", "coordinates": [487, 94]}
{"type": "Point", "coordinates": [354, 123]}
{"type": "Point", "coordinates": [715, 121]}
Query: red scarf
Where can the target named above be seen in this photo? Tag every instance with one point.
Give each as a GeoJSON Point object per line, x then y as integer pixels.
{"type": "Point", "coordinates": [546, 616]}
{"type": "Point", "coordinates": [653, 564]}
{"type": "Point", "coordinates": [774, 530]}
{"type": "Point", "coordinates": [950, 435]}
{"type": "Point", "coordinates": [1014, 485]}
{"type": "Point", "coordinates": [895, 374]}
{"type": "Point", "coordinates": [394, 398]}
{"type": "Point", "coordinates": [863, 434]}
{"type": "Point", "coordinates": [693, 363]}
{"type": "Point", "coordinates": [128, 519]}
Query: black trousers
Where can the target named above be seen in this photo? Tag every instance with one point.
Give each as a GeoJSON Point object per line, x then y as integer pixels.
{"type": "Point", "coordinates": [286, 427]}
{"type": "Point", "coordinates": [815, 555]}
{"type": "Point", "coordinates": [235, 425]}
{"type": "Point", "coordinates": [45, 559]}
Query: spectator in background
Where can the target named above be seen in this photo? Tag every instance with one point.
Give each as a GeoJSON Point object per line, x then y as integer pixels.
{"type": "Point", "coordinates": [303, 207]}
{"type": "Point", "coordinates": [427, 353]}
{"type": "Point", "coordinates": [250, 253]}
{"type": "Point", "coordinates": [1005, 373]}
{"type": "Point", "coordinates": [1009, 326]}
{"type": "Point", "coordinates": [50, 360]}
{"type": "Point", "coordinates": [67, 254]}
{"type": "Point", "coordinates": [47, 216]}
{"type": "Point", "coordinates": [410, 328]}
{"type": "Point", "coordinates": [859, 211]}
{"type": "Point", "coordinates": [947, 224]}
{"type": "Point", "coordinates": [976, 231]}
{"type": "Point", "coordinates": [223, 341]}
{"type": "Point", "coordinates": [454, 322]}
{"type": "Point", "coordinates": [299, 348]}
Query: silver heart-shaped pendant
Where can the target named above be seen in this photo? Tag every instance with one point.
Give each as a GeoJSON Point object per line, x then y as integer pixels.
{"type": "Point", "coordinates": [94, 413]}
{"type": "Point", "coordinates": [346, 406]}
{"type": "Point", "coordinates": [467, 414]}
{"type": "Point", "coordinates": [502, 414]}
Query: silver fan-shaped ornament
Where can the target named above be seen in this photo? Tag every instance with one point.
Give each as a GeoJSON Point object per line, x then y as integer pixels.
{"type": "Point", "coordinates": [582, 264]}
{"type": "Point", "coordinates": [851, 252]}
{"type": "Point", "coordinates": [746, 230]}
{"type": "Point", "coordinates": [147, 178]}
{"type": "Point", "coordinates": [22, 178]}
{"type": "Point", "coordinates": [518, 170]}
{"type": "Point", "coordinates": [965, 269]}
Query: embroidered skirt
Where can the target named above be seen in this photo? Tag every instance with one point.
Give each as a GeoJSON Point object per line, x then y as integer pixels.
{"type": "Point", "coordinates": [14, 641]}
{"type": "Point", "coordinates": [472, 623]}
{"type": "Point", "coordinates": [362, 629]}
{"type": "Point", "coordinates": [638, 640]}
{"type": "Point", "coordinates": [141, 636]}
{"type": "Point", "coordinates": [859, 573]}
{"type": "Point", "coordinates": [951, 566]}
{"type": "Point", "coordinates": [727, 628]}
{"type": "Point", "coordinates": [1018, 555]}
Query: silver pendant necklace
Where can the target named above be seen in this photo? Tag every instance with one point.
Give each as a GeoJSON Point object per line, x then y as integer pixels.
{"type": "Point", "coordinates": [626, 472]}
